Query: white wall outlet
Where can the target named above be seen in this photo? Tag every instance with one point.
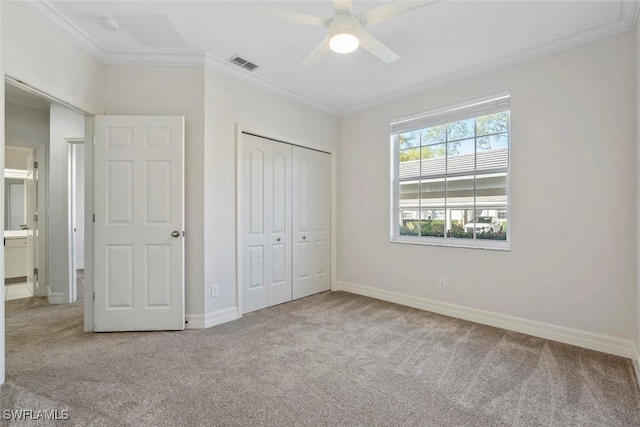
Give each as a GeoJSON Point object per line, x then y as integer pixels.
{"type": "Point", "coordinates": [215, 291]}
{"type": "Point", "coordinates": [443, 284]}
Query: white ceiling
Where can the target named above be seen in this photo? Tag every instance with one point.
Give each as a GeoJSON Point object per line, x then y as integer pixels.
{"type": "Point", "coordinates": [440, 43]}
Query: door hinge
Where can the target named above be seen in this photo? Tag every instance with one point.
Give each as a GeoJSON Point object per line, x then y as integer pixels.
{"type": "Point", "coordinates": [35, 218]}
{"type": "Point", "coordinates": [94, 296]}
{"type": "Point", "coordinates": [35, 271]}
{"type": "Point", "coordinates": [35, 165]}
{"type": "Point", "coordinates": [183, 234]}
{"type": "Point", "coordinates": [94, 218]}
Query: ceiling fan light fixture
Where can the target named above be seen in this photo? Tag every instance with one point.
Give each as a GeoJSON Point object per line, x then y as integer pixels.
{"type": "Point", "coordinates": [344, 43]}
{"type": "Point", "coordinates": [344, 31]}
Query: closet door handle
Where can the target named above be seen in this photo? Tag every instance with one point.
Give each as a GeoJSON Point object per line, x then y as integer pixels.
{"type": "Point", "coordinates": [175, 234]}
{"type": "Point", "coordinates": [304, 237]}
{"type": "Point", "coordinates": [278, 239]}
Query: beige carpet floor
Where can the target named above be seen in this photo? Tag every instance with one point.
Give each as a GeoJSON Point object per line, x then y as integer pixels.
{"type": "Point", "coordinates": [334, 359]}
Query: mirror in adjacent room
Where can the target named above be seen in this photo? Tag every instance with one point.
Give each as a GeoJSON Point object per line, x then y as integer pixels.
{"type": "Point", "coordinates": [15, 188]}
{"type": "Point", "coordinates": [15, 204]}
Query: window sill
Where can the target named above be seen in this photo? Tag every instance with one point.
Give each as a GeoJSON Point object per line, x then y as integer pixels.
{"type": "Point", "coordinates": [451, 242]}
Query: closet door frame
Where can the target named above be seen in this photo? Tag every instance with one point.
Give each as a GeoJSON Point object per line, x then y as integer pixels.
{"type": "Point", "coordinates": [242, 129]}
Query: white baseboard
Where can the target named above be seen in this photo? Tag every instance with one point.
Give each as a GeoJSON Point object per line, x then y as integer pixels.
{"type": "Point", "coordinates": [199, 321]}
{"type": "Point", "coordinates": [56, 298]}
{"type": "Point", "coordinates": [592, 341]}
{"type": "Point", "coordinates": [41, 291]}
{"type": "Point", "coordinates": [635, 361]}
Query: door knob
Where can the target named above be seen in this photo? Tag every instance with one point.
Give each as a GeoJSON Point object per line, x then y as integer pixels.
{"type": "Point", "coordinates": [175, 234]}
{"type": "Point", "coordinates": [304, 237]}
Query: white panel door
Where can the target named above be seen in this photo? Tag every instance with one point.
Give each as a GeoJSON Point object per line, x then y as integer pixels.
{"type": "Point", "coordinates": [139, 223]}
{"type": "Point", "coordinates": [265, 276]}
{"type": "Point", "coordinates": [311, 222]}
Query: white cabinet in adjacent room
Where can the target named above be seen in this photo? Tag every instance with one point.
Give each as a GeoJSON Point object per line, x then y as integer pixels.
{"type": "Point", "coordinates": [15, 257]}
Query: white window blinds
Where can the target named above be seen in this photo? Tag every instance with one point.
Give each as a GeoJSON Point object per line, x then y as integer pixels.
{"type": "Point", "coordinates": [479, 107]}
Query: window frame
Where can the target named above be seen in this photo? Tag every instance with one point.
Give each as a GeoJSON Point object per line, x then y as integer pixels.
{"type": "Point", "coordinates": [467, 110]}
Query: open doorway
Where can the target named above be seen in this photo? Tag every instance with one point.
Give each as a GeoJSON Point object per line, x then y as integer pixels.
{"type": "Point", "coordinates": [47, 135]}
{"type": "Point", "coordinates": [26, 136]}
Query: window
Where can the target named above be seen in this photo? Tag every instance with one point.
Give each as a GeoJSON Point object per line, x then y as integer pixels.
{"type": "Point", "coordinates": [451, 175]}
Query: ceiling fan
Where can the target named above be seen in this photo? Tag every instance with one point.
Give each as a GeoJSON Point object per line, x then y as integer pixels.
{"type": "Point", "coordinates": [346, 29]}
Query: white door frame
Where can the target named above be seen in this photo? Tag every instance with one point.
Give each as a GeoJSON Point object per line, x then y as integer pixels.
{"type": "Point", "coordinates": [70, 214]}
{"type": "Point", "coordinates": [268, 134]}
{"type": "Point", "coordinates": [88, 222]}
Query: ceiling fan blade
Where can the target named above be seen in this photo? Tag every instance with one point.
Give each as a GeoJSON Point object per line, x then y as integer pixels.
{"type": "Point", "coordinates": [298, 18]}
{"type": "Point", "coordinates": [342, 7]}
{"type": "Point", "coordinates": [391, 10]}
{"type": "Point", "coordinates": [317, 53]}
{"type": "Point", "coordinates": [368, 42]}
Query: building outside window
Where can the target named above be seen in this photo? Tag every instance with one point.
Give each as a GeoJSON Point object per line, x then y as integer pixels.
{"type": "Point", "coordinates": [451, 175]}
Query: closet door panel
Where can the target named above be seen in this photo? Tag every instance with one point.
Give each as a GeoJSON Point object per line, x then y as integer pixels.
{"type": "Point", "coordinates": [322, 222]}
{"type": "Point", "coordinates": [302, 211]}
{"type": "Point", "coordinates": [279, 207]}
{"type": "Point", "coordinates": [311, 222]}
{"type": "Point", "coordinates": [265, 227]}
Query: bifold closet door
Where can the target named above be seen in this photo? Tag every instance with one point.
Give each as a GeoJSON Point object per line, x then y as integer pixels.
{"type": "Point", "coordinates": [311, 210]}
{"type": "Point", "coordinates": [266, 223]}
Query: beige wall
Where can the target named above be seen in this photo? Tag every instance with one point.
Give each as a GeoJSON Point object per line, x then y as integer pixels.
{"type": "Point", "coordinates": [212, 104]}
{"type": "Point", "coordinates": [33, 55]}
{"type": "Point", "coordinates": [574, 175]}
{"type": "Point", "coordinates": [40, 56]}
{"type": "Point", "coordinates": [229, 101]}
{"type": "Point", "coordinates": [16, 158]}
{"type": "Point", "coordinates": [26, 124]}
{"type": "Point", "coordinates": [63, 124]}
{"type": "Point", "coordinates": [573, 192]}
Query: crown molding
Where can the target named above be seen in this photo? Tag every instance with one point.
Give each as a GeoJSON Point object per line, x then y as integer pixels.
{"type": "Point", "coordinates": [212, 63]}
{"type": "Point", "coordinates": [629, 11]}
{"type": "Point", "coordinates": [261, 82]}
{"type": "Point", "coordinates": [52, 16]}
{"type": "Point", "coordinates": [178, 59]}
{"type": "Point", "coordinates": [47, 12]}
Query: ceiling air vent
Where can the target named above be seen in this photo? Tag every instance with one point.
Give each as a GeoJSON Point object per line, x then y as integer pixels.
{"type": "Point", "coordinates": [240, 62]}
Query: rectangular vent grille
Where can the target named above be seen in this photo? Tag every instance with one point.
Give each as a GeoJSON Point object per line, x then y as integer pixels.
{"type": "Point", "coordinates": [243, 63]}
